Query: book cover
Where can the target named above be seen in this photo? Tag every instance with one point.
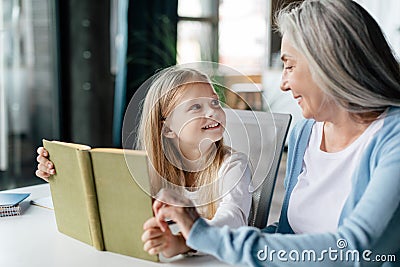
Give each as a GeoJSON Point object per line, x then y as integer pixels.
{"type": "Point", "coordinates": [96, 198]}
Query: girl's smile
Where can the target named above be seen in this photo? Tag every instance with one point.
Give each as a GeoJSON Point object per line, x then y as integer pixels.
{"type": "Point", "coordinates": [212, 126]}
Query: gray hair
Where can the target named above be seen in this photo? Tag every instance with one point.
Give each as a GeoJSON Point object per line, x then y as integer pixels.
{"type": "Point", "coordinates": [347, 52]}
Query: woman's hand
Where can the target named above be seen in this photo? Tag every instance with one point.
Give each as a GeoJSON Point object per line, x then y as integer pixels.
{"type": "Point", "coordinates": [157, 241]}
{"type": "Point", "coordinates": [45, 167]}
{"type": "Point", "coordinates": [172, 206]}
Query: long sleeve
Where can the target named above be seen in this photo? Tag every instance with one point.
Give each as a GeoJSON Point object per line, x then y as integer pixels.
{"type": "Point", "coordinates": [369, 225]}
{"type": "Point", "coordinates": [234, 207]}
{"type": "Point", "coordinates": [374, 225]}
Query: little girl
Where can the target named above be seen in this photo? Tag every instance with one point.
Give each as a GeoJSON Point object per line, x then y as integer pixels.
{"type": "Point", "coordinates": [181, 129]}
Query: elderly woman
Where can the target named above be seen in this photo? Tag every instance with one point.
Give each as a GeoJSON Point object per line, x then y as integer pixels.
{"type": "Point", "coordinates": [342, 203]}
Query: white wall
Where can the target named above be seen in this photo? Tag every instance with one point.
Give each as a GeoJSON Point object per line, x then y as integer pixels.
{"type": "Point", "coordinates": [387, 14]}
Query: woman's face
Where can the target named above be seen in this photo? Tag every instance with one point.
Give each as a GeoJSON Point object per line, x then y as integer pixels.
{"type": "Point", "coordinates": [297, 78]}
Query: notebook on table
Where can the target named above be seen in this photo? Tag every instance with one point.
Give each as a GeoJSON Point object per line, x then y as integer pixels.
{"type": "Point", "coordinates": [10, 203]}
{"type": "Point", "coordinates": [96, 198]}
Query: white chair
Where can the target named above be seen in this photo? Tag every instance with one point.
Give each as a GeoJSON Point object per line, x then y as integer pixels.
{"type": "Point", "coordinates": [261, 136]}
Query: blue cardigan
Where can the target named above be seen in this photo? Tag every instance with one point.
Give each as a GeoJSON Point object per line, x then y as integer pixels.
{"type": "Point", "coordinates": [369, 225]}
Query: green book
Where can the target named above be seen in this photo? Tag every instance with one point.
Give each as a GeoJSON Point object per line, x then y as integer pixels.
{"type": "Point", "coordinates": [97, 199]}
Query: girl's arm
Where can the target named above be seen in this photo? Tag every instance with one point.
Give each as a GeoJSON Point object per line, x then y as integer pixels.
{"type": "Point", "coordinates": [234, 208]}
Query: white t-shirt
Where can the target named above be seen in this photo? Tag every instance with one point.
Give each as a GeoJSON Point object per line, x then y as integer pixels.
{"type": "Point", "coordinates": [325, 182]}
{"type": "Point", "coordinates": [234, 178]}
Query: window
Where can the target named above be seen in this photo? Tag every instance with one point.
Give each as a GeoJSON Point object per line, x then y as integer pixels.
{"type": "Point", "coordinates": [230, 32]}
{"type": "Point", "coordinates": [197, 31]}
{"type": "Point", "coordinates": [29, 100]}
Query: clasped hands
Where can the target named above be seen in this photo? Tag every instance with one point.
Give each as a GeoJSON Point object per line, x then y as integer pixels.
{"type": "Point", "coordinates": [157, 236]}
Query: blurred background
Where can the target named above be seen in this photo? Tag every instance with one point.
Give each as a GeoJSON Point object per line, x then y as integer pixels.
{"type": "Point", "coordinates": [69, 68]}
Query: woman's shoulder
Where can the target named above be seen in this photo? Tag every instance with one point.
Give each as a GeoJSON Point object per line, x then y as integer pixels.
{"type": "Point", "coordinates": [390, 131]}
{"type": "Point", "coordinates": [301, 132]}
{"type": "Point", "coordinates": [392, 117]}
{"type": "Point", "coordinates": [390, 124]}
{"type": "Point", "coordinates": [301, 125]}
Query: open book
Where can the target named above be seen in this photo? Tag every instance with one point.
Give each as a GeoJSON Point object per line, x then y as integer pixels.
{"type": "Point", "coordinates": [96, 198]}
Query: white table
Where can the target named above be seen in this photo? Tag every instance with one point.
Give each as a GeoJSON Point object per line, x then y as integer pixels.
{"type": "Point", "coordinates": [32, 239]}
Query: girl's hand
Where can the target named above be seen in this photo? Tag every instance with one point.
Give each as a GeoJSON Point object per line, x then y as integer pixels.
{"type": "Point", "coordinates": [172, 206]}
{"type": "Point", "coordinates": [45, 167]}
{"type": "Point", "coordinates": [157, 241]}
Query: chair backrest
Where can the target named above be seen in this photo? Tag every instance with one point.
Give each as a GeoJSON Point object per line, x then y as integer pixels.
{"type": "Point", "coordinates": [261, 136]}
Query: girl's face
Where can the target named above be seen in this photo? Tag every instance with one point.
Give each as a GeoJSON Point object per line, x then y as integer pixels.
{"type": "Point", "coordinates": [198, 120]}
{"type": "Point", "coordinates": [297, 78]}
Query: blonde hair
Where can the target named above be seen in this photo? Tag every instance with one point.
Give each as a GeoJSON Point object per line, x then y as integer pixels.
{"type": "Point", "coordinates": [163, 96]}
{"type": "Point", "coordinates": [348, 54]}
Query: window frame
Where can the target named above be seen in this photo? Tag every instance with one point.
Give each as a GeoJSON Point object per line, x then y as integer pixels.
{"type": "Point", "coordinates": [213, 20]}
